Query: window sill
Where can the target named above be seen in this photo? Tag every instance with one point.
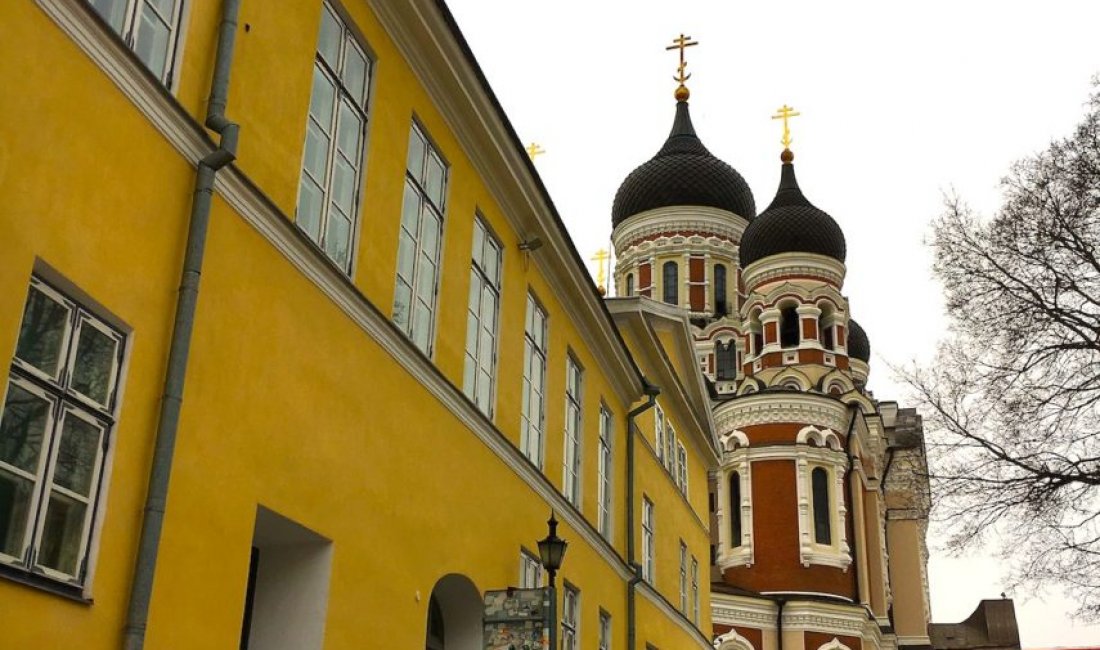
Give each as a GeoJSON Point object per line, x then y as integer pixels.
{"type": "Point", "coordinates": [38, 581]}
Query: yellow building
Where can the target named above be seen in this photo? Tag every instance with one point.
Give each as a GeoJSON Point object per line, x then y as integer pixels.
{"type": "Point", "coordinates": [393, 368]}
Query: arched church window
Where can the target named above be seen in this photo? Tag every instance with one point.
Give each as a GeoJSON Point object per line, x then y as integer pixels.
{"type": "Point", "coordinates": [825, 330]}
{"type": "Point", "coordinates": [823, 533]}
{"type": "Point", "coordinates": [630, 284]}
{"type": "Point", "coordinates": [671, 275]}
{"type": "Point", "coordinates": [788, 327]}
{"type": "Point", "coordinates": [721, 308]}
{"type": "Point", "coordinates": [435, 625]}
{"type": "Point", "coordinates": [735, 509]}
{"type": "Point", "coordinates": [726, 361]}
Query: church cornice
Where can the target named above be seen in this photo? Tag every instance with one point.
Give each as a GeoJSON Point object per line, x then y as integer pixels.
{"type": "Point", "coordinates": [772, 408]}
{"type": "Point", "coordinates": [720, 225]}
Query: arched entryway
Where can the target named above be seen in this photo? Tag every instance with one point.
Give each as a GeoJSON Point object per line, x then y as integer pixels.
{"type": "Point", "coordinates": [454, 615]}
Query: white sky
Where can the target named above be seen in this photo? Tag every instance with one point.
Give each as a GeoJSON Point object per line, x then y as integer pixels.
{"type": "Point", "coordinates": [900, 102]}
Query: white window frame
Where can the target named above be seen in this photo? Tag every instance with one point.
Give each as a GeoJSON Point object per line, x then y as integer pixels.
{"type": "Point", "coordinates": [733, 552]}
{"type": "Point", "coordinates": [574, 431]}
{"type": "Point", "coordinates": [570, 617]}
{"type": "Point", "coordinates": [670, 447]}
{"type": "Point", "coordinates": [683, 577]}
{"type": "Point", "coordinates": [605, 486]}
{"type": "Point", "coordinates": [128, 28]}
{"type": "Point", "coordinates": [821, 448]}
{"type": "Point", "coordinates": [532, 424]}
{"type": "Point", "coordinates": [64, 401]}
{"type": "Point", "coordinates": [347, 104]}
{"type": "Point", "coordinates": [482, 330]}
{"type": "Point", "coordinates": [530, 570]}
{"type": "Point", "coordinates": [694, 590]}
{"type": "Point", "coordinates": [413, 282]}
{"type": "Point", "coordinates": [605, 631]}
{"type": "Point", "coordinates": [681, 468]}
{"type": "Point", "coordinates": [649, 563]}
{"type": "Point", "coordinates": [659, 432]}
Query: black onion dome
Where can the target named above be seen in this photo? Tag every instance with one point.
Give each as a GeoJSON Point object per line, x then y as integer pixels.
{"type": "Point", "coordinates": [859, 347]}
{"type": "Point", "coordinates": [683, 173]}
{"type": "Point", "coordinates": [791, 224]}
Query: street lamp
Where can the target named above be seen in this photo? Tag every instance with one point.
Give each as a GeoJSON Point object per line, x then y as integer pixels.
{"type": "Point", "coordinates": [552, 552]}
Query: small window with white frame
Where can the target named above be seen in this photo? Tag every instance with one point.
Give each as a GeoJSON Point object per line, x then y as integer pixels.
{"type": "Point", "coordinates": [420, 240]}
{"type": "Point", "coordinates": [482, 318]}
{"type": "Point", "coordinates": [55, 424]}
{"type": "Point", "coordinates": [670, 447]}
{"type": "Point", "coordinates": [681, 468]}
{"type": "Point", "coordinates": [571, 471]}
{"type": "Point", "coordinates": [683, 577]}
{"type": "Point", "coordinates": [605, 470]}
{"type": "Point", "coordinates": [530, 570]}
{"type": "Point", "coordinates": [151, 28]}
{"type": "Point", "coordinates": [694, 590]}
{"type": "Point", "coordinates": [605, 631]}
{"type": "Point", "coordinates": [570, 617]}
{"type": "Point", "coordinates": [648, 560]}
{"type": "Point", "coordinates": [532, 416]}
{"type": "Point", "coordinates": [336, 128]}
{"type": "Point", "coordinates": [659, 432]}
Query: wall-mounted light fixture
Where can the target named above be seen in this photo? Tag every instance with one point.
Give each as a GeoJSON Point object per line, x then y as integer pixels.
{"type": "Point", "coordinates": [532, 244]}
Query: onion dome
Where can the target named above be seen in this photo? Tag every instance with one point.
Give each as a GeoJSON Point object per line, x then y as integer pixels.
{"type": "Point", "coordinates": [859, 347]}
{"type": "Point", "coordinates": [683, 173]}
{"type": "Point", "coordinates": [791, 224]}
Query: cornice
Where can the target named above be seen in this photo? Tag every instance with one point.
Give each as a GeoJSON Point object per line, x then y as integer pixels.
{"type": "Point", "coordinates": [683, 218]}
{"type": "Point", "coordinates": [771, 408]}
{"type": "Point", "coordinates": [783, 265]}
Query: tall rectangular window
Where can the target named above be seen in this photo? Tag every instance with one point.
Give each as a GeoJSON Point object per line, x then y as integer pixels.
{"type": "Point", "coordinates": [670, 447]}
{"type": "Point", "coordinates": [694, 590]}
{"type": "Point", "coordinates": [605, 631]}
{"type": "Point", "coordinates": [571, 475]}
{"type": "Point", "coordinates": [419, 242]}
{"type": "Point", "coordinates": [332, 165]}
{"type": "Point", "coordinates": [530, 571]}
{"type": "Point", "coordinates": [570, 606]}
{"type": "Point", "coordinates": [647, 541]}
{"type": "Point", "coordinates": [479, 372]}
{"type": "Point", "coordinates": [534, 382]}
{"type": "Point", "coordinates": [659, 434]}
{"type": "Point", "coordinates": [605, 484]}
{"type": "Point", "coordinates": [55, 425]}
{"type": "Point", "coordinates": [683, 577]}
{"type": "Point", "coordinates": [681, 468]}
{"type": "Point", "coordinates": [149, 27]}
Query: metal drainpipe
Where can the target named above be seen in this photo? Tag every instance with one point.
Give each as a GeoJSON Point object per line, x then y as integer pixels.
{"type": "Point", "coordinates": [780, 602]}
{"type": "Point", "coordinates": [651, 393]}
{"type": "Point", "coordinates": [137, 615]}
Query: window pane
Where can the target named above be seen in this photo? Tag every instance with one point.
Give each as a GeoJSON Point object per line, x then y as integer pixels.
{"type": "Point", "coordinates": [479, 241]}
{"type": "Point", "coordinates": [316, 156]}
{"type": "Point", "coordinates": [42, 334]}
{"type": "Point", "coordinates": [410, 209]}
{"type": "Point", "coordinates": [23, 428]}
{"type": "Point", "coordinates": [76, 455]}
{"type": "Point", "coordinates": [425, 280]}
{"type": "Point", "coordinates": [422, 326]}
{"type": "Point", "coordinates": [350, 129]}
{"type": "Point", "coordinates": [328, 41]}
{"type": "Point", "coordinates": [164, 7]}
{"type": "Point", "coordinates": [310, 200]}
{"type": "Point", "coordinates": [492, 261]}
{"type": "Point", "coordinates": [434, 182]}
{"type": "Point", "coordinates": [343, 185]}
{"type": "Point", "coordinates": [406, 255]}
{"type": "Point", "coordinates": [429, 234]}
{"type": "Point", "coordinates": [151, 44]}
{"type": "Point", "coordinates": [338, 237]}
{"type": "Point", "coordinates": [94, 365]}
{"type": "Point", "coordinates": [321, 99]}
{"type": "Point", "coordinates": [15, 504]}
{"type": "Point", "coordinates": [415, 161]}
{"type": "Point", "coordinates": [355, 75]}
{"type": "Point", "coordinates": [469, 372]}
{"type": "Point", "coordinates": [402, 302]}
{"type": "Point", "coordinates": [113, 11]}
{"type": "Point", "coordinates": [62, 531]}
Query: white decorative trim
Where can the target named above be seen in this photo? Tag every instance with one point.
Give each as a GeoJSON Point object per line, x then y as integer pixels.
{"type": "Point", "coordinates": [827, 618]}
{"type": "Point", "coordinates": [813, 436]}
{"type": "Point", "coordinates": [647, 590]}
{"type": "Point", "coordinates": [837, 554]}
{"type": "Point", "coordinates": [734, 439]}
{"type": "Point", "coordinates": [682, 218]}
{"type": "Point", "coordinates": [742, 611]}
{"type": "Point", "coordinates": [769, 408]}
{"type": "Point", "coordinates": [732, 641]}
{"type": "Point", "coordinates": [781, 265]}
{"type": "Point", "coordinates": [835, 644]}
{"type": "Point", "coordinates": [736, 460]}
{"type": "Point", "coordinates": [190, 140]}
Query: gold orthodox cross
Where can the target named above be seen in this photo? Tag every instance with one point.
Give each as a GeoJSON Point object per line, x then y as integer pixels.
{"type": "Point", "coordinates": [599, 258]}
{"type": "Point", "coordinates": [534, 150]}
{"type": "Point", "coordinates": [681, 43]}
{"type": "Point", "coordinates": [785, 114]}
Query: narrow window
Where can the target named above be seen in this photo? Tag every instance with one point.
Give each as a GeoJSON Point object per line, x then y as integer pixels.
{"type": "Point", "coordinates": [826, 335]}
{"type": "Point", "coordinates": [670, 447]}
{"type": "Point", "coordinates": [721, 306]}
{"type": "Point", "coordinates": [570, 603]}
{"type": "Point", "coordinates": [683, 577]}
{"type": "Point", "coordinates": [605, 631]}
{"type": "Point", "coordinates": [822, 519]}
{"type": "Point", "coordinates": [725, 355]}
{"type": "Point", "coordinates": [681, 468]}
{"type": "Point", "coordinates": [479, 371]}
{"type": "Point", "coordinates": [694, 590]}
{"type": "Point", "coordinates": [418, 244]}
{"type": "Point", "coordinates": [530, 570]}
{"type": "Point", "coordinates": [605, 484]}
{"type": "Point", "coordinates": [788, 327]}
{"type": "Point", "coordinates": [630, 284]}
{"type": "Point", "coordinates": [332, 165]}
{"type": "Point", "coordinates": [648, 561]}
{"type": "Point", "coordinates": [534, 382]}
{"type": "Point", "coordinates": [735, 509]}
{"type": "Point", "coordinates": [670, 282]}
{"type": "Point", "coordinates": [757, 342]}
{"type": "Point", "coordinates": [149, 27]}
{"type": "Point", "coordinates": [571, 478]}
{"type": "Point", "coordinates": [55, 428]}
{"type": "Point", "coordinates": [659, 433]}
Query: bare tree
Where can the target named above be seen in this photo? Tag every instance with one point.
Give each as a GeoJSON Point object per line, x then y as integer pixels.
{"type": "Point", "coordinates": [1012, 401]}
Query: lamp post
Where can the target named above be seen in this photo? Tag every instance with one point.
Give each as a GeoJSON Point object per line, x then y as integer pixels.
{"type": "Point", "coordinates": [552, 552]}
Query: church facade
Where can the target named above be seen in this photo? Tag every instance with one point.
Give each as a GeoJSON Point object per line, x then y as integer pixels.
{"type": "Point", "coordinates": [299, 354]}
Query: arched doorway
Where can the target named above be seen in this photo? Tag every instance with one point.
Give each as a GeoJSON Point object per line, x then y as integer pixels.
{"type": "Point", "coordinates": [454, 615]}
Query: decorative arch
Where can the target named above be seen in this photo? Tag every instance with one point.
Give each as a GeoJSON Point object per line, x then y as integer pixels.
{"type": "Point", "coordinates": [789, 376]}
{"type": "Point", "coordinates": [734, 439]}
{"type": "Point", "coordinates": [853, 397]}
{"type": "Point", "coordinates": [834, 381]}
{"type": "Point", "coordinates": [835, 644]}
{"type": "Point", "coordinates": [819, 438]}
{"type": "Point", "coordinates": [453, 615]}
{"type": "Point", "coordinates": [732, 641]}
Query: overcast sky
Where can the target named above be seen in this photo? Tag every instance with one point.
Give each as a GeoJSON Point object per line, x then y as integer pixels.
{"type": "Point", "coordinates": [900, 102]}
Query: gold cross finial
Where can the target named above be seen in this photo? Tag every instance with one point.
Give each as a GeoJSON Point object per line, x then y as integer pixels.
{"type": "Point", "coordinates": [682, 43]}
{"type": "Point", "coordinates": [786, 113]}
{"type": "Point", "coordinates": [599, 258]}
{"type": "Point", "coordinates": [534, 150]}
